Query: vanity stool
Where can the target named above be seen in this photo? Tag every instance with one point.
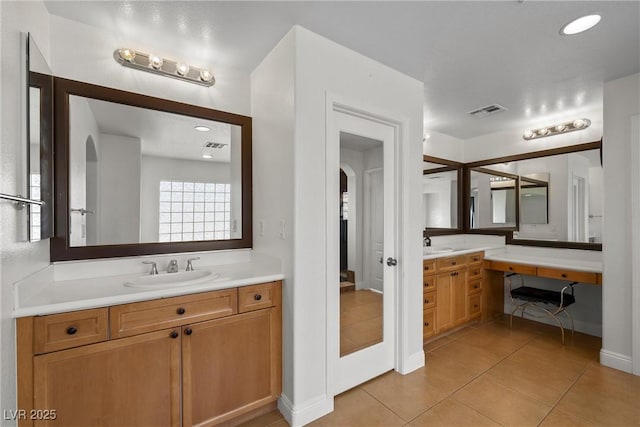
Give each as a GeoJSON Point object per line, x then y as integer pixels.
{"type": "Point", "coordinates": [551, 303]}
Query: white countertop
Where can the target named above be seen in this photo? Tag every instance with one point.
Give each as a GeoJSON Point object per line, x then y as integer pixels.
{"type": "Point", "coordinates": [589, 266]}
{"type": "Point", "coordinates": [42, 294]}
{"type": "Point", "coordinates": [458, 250]}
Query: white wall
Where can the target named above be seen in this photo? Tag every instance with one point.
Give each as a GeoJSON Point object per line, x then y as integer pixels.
{"type": "Point", "coordinates": [119, 189]}
{"type": "Point", "coordinates": [155, 169]}
{"type": "Point", "coordinates": [511, 142]}
{"type": "Point", "coordinates": [289, 91]}
{"type": "Point", "coordinates": [18, 258]}
{"type": "Point", "coordinates": [85, 53]}
{"type": "Point", "coordinates": [352, 163]}
{"type": "Point", "coordinates": [621, 102]}
{"type": "Point", "coordinates": [438, 144]}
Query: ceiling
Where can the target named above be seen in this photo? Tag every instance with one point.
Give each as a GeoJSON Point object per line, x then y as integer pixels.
{"type": "Point", "coordinates": [358, 143]}
{"type": "Point", "coordinates": [162, 134]}
{"type": "Point", "coordinates": [468, 54]}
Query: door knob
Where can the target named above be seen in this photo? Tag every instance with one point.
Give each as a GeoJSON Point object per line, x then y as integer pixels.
{"type": "Point", "coordinates": [392, 262]}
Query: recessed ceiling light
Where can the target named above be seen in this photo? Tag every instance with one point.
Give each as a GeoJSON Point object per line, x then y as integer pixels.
{"type": "Point", "coordinates": [579, 25]}
{"type": "Point", "coordinates": [207, 156]}
{"type": "Point", "coordinates": [202, 128]}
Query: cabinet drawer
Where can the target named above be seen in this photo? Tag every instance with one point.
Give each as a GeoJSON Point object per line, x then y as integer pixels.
{"type": "Point", "coordinates": [475, 258]}
{"type": "Point", "coordinates": [66, 330]}
{"type": "Point", "coordinates": [140, 317]}
{"type": "Point", "coordinates": [256, 297]}
{"type": "Point", "coordinates": [475, 305]}
{"type": "Point", "coordinates": [451, 263]}
{"type": "Point", "coordinates": [428, 266]}
{"type": "Point", "coordinates": [428, 323]}
{"type": "Point", "coordinates": [574, 276]}
{"type": "Point", "coordinates": [474, 286]}
{"type": "Point", "coordinates": [514, 268]}
{"type": "Point", "coordinates": [429, 300]}
{"type": "Point", "coordinates": [428, 283]}
{"type": "Point", "coordinates": [475, 272]}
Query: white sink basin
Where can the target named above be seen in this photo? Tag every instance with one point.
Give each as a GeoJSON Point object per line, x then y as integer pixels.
{"type": "Point", "coordinates": [166, 280]}
{"type": "Point", "coordinates": [437, 250]}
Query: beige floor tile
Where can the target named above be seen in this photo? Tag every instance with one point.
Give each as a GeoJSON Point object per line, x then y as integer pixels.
{"type": "Point", "coordinates": [268, 419]}
{"type": "Point", "coordinates": [502, 404]}
{"type": "Point", "coordinates": [406, 395]}
{"type": "Point", "coordinates": [502, 342]}
{"type": "Point", "coordinates": [446, 374]}
{"type": "Point", "coordinates": [432, 345]}
{"type": "Point", "coordinates": [450, 413]}
{"type": "Point", "coordinates": [605, 396]}
{"type": "Point", "coordinates": [281, 423]}
{"type": "Point", "coordinates": [477, 359]}
{"type": "Point", "coordinates": [557, 418]}
{"type": "Point", "coordinates": [357, 408]}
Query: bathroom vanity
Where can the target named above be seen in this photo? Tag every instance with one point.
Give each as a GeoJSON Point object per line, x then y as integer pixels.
{"type": "Point", "coordinates": [200, 358]}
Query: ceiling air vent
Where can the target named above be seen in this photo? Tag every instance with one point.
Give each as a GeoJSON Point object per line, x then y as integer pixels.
{"type": "Point", "coordinates": [214, 145]}
{"type": "Point", "coordinates": [486, 111]}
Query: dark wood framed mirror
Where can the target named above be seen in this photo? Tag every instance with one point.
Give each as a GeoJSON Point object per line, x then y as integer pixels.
{"type": "Point", "coordinates": [564, 209]}
{"type": "Point", "coordinates": [442, 191]}
{"type": "Point", "coordinates": [139, 175]}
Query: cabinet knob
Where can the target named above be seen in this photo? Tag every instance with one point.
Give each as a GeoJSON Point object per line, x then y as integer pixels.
{"type": "Point", "coordinates": [181, 311]}
{"type": "Point", "coordinates": [426, 323]}
{"type": "Point", "coordinates": [453, 263]}
{"type": "Point", "coordinates": [174, 335]}
{"type": "Point", "coordinates": [475, 305]}
{"type": "Point", "coordinates": [257, 297]}
{"type": "Point", "coordinates": [564, 275]}
{"type": "Point", "coordinates": [71, 330]}
{"type": "Point", "coordinates": [511, 268]}
{"type": "Point", "coordinates": [188, 331]}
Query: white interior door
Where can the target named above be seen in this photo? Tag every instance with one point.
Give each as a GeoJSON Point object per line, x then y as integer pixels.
{"type": "Point", "coordinates": [376, 144]}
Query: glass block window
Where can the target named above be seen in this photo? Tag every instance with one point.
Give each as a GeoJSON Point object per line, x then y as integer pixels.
{"type": "Point", "coordinates": [34, 210]}
{"type": "Point", "coordinates": [194, 211]}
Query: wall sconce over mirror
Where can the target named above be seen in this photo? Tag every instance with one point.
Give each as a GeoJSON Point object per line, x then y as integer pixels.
{"type": "Point", "coordinates": [578, 124]}
{"type": "Point", "coordinates": [152, 63]}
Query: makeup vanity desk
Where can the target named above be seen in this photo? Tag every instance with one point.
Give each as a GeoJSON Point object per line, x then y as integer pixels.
{"type": "Point", "coordinates": [562, 269]}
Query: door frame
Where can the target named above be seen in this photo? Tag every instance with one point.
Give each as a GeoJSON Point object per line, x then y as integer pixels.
{"type": "Point", "coordinates": [337, 104]}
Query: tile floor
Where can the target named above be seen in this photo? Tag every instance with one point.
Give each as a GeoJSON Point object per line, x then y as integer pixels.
{"type": "Point", "coordinates": [489, 375]}
{"type": "Point", "coordinates": [360, 320]}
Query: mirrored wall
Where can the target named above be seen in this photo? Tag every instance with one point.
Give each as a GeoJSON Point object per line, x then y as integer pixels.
{"type": "Point", "coordinates": [441, 195]}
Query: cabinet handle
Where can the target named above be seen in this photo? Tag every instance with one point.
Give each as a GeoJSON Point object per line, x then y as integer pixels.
{"type": "Point", "coordinates": [188, 331]}
{"type": "Point", "coordinates": [453, 263]}
{"type": "Point", "coordinates": [181, 311]}
{"type": "Point", "coordinates": [563, 275]}
{"type": "Point", "coordinates": [475, 305]}
{"type": "Point", "coordinates": [71, 330]}
{"type": "Point", "coordinates": [257, 297]}
{"type": "Point", "coordinates": [511, 268]}
{"type": "Point", "coordinates": [426, 323]}
{"type": "Point", "coordinates": [475, 286]}
{"type": "Point", "coordinates": [174, 335]}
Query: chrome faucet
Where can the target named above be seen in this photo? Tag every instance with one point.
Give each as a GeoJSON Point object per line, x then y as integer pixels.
{"type": "Point", "coordinates": [154, 267]}
{"type": "Point", "coordinates": [189, 264]}
{"type": "Point", "coordinates": [173, 266]}
{"type": "Point", "coordinates": [426, 240]}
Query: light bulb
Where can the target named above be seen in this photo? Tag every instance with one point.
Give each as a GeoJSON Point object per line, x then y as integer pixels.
{"type": "Point", "coordinates": [560, 128]}
{"type": "Point", "coordinates": [543, 131]}
{"type": "Point", "coordinates": [528, 134]}
{"type": "Point", "coordinates": [127, 54]}
{"type": "Point", "coordinates": [155, 61]}
{"type": "Point", "coordinates": [182, 69]}
{"type": "Point", "coordinates": [580, 25]}
{"type": "Point", "coordinates": [578, 124]}
{"type": "Point", "coordinates": [206, 76]}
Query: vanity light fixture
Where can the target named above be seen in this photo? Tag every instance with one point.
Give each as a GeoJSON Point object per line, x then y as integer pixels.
{"type": "Point", "coordinates": [580, 25]}
{"type": "Point", "coordinates": [579, 124]}
{"type": "Point", "coordinates": [165, 67]}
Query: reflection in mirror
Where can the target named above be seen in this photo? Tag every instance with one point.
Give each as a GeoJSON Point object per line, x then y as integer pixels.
{"type": "Point", "coordinates": [361, 213]}
{"type": "Point", "coordinates": [40, 140]}
{"type": "Point", "coordinates": [143, 176]}
{"type": "Point", "coordinates": [492, 199]}
{"type": "Point", "coordinates": [534, 199]}
{"type": "Point", "coordinates": [440, 199]}
{"type": "Point", "coordinates": [574, 193]}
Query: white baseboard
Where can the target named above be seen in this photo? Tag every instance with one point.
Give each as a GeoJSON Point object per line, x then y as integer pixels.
{"type": "Point", "coordinates": [413, 362]}
{"type": "Point", "coordinates": [616, 360]}
{"type": "Point", "coordinates": [299, 415]}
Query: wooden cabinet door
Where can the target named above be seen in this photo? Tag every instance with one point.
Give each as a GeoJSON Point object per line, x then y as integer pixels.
{"type": "Point", "coordinates": [230, 366]}
{"type": "Point", "coordinates": [459, 294]}
{"type": "Point", "coordinates": [444, 319]}
{"type": "Point", "coordinates": [125, 382]}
